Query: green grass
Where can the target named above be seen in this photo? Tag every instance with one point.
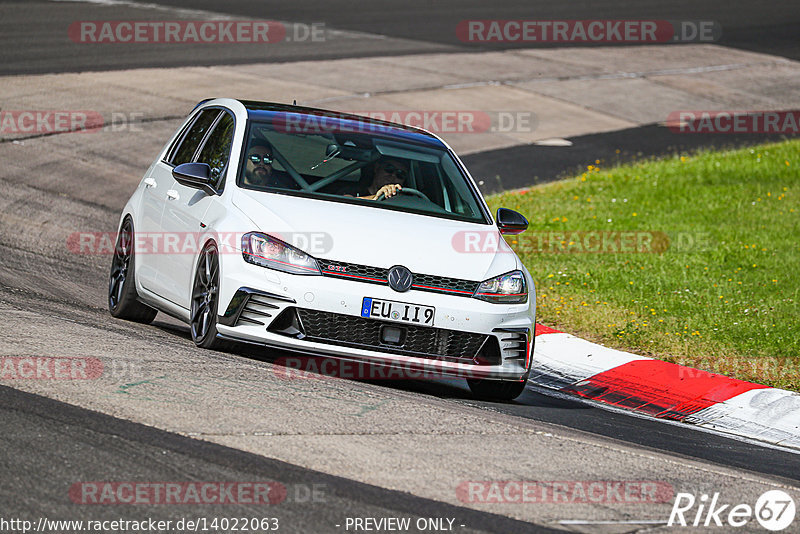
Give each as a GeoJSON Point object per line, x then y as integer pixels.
{"type": "Point", "coordinates": [717, 285]}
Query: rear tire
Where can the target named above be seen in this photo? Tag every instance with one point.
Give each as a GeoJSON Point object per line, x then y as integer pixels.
{"type": "Point", "coordinates": [496, 390]}
{"type": "Point", "coordinates": [123, 302]}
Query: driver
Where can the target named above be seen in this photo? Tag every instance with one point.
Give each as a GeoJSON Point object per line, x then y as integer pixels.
{"type": "Point", "coordinates": [389, 175]}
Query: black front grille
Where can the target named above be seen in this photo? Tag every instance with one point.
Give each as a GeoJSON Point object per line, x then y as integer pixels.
{"type": "Point", "coordinates": [427, 282]}
{"type": "Point", "coordinates": [379, 275]}
{"type": "Point", "coordinates": [353, 271]}
{"type": "Point", "coordinates": [418, 341]}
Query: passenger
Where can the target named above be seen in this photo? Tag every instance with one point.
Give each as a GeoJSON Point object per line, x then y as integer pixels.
{"type": "Point", "coordinates": [258, 169]}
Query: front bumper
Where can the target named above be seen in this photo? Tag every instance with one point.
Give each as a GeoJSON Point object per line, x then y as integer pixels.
{"type": "Point", "coordinates": [321, 316]}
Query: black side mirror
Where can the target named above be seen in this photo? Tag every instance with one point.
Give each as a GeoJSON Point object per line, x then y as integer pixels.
{"type": "Point", "coordinates": [196, 175]}
{"type": "Point", "coordinates": [510, 222]}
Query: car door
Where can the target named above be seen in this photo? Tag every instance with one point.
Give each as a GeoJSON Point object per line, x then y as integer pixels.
{"type": "Point", "coordinates": [154, 199]}
{"type": "Point", "coordinates": [185, 208]}
{"type": "Point", "coordinates": [148, 223]}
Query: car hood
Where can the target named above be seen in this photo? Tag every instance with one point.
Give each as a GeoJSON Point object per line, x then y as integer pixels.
{"type": "Point", "coordinates": [376, 237]}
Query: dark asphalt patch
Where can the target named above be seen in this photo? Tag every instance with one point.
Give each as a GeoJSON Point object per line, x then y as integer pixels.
{"type": "Point", "coordinates": [522, 166]}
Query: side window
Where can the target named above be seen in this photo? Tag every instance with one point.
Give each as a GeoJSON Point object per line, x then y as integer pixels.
{"type": "Point", "coordinates": [193, 137]}
{"type": "Point", "coordinates": [218, 146]}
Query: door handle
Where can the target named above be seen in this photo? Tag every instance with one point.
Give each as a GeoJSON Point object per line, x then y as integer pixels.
{"type": "Point", "coordinates": [173, 195]}
{"type": "Point", "coordinates": [150, 182]}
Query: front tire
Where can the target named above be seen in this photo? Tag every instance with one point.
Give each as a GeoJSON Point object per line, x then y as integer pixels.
{"type": "Point", "coordinates": [496, 390]}
{"type": "Point", "coordinates": [205, 300]}
{"type": "Point", "coordinates": [122, 299]}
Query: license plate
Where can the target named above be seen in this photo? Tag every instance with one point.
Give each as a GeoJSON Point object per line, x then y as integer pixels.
{"type": "Point", "coordinates": [401, 312]}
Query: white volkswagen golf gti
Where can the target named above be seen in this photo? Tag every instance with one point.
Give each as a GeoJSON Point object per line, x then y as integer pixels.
{"type": "Point", "coordinates": [329, 234]}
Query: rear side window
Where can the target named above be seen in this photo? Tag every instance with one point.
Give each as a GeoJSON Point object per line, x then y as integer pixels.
{"type": "Point", "coordinates": [218, 146]}
{"type": "Point", "coordinates": [191, 140]}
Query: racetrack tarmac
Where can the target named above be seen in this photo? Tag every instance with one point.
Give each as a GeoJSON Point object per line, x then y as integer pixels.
{"type": "Point", "coordinates": [163, 410]}
{"type": "Point", "coordinates": [32, 30]}
{"type": "Point", "coordinates": [58, 451]}
{"type": "Point", "coordinates": [422, 439]}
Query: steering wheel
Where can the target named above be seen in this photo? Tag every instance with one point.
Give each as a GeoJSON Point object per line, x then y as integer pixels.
{"type": "Point", "coordinates": [407, 191]}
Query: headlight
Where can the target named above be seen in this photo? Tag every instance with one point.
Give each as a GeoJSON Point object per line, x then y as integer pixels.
{"type": "Point", "coordinates": [509, 288]}
{"type": "Point", "coordinates": [266, 251]}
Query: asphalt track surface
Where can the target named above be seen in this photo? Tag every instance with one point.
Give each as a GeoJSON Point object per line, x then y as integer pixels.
{"type": "Point", "coordinates": [31, 31]}
{"type": "Point", "coordinates": [56, 444]}
{"type": "Point", "coordinates": [48, 444]}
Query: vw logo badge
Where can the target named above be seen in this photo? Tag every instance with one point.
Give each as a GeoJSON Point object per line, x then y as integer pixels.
{"type": "Point", "coordinates": [400, 278]}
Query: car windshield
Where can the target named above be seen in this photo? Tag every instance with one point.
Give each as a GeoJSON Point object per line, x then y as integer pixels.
{"type": "Point", "coordinates": [351, 166]}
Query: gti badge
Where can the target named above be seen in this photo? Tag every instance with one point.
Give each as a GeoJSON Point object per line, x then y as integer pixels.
{"type": "Point", "coordinates": [400, 278]}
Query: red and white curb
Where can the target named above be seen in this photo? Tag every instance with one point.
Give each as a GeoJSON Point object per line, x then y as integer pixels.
{"type": "Point", "coordinates": [663, 390]}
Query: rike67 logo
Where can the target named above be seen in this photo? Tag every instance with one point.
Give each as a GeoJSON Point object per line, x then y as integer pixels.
{"type": "Point", "coordinates": [774, 510]}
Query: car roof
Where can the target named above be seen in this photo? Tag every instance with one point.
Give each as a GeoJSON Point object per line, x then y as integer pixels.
{"type": "Point", "coordinates": [327, 120]}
